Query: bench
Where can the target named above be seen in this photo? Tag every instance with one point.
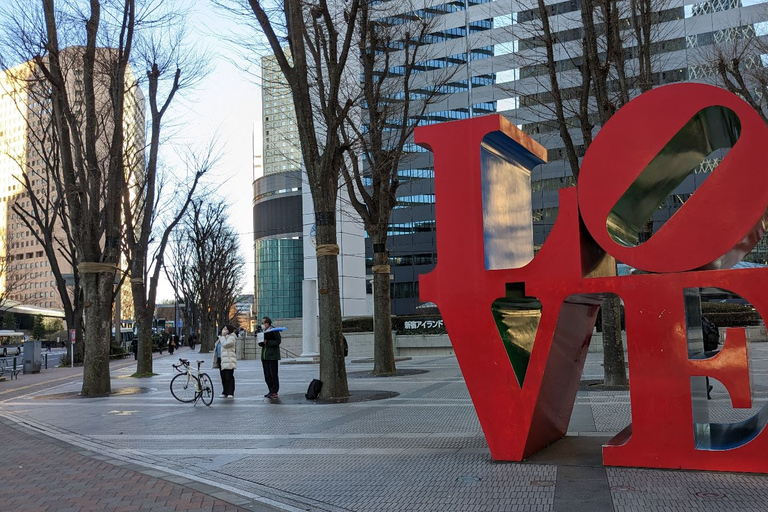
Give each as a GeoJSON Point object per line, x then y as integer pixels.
{"type": "Point", "coordinates": [11, 371]}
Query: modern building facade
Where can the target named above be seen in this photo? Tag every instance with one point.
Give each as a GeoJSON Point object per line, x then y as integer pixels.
{"type": "Point", "coordinates": [283, 217]}
{"type": "Point", "coordinates": [455, 55]}
{"type": "Point", "coordinates": [27, 153]}
{"type": "Point", "coordinates": [686, 36]}
{"type": "Point", "coordinates": [277, 203]}
{"type": "Point", "coordinates": [493, 52]}
{"type": "Point", "coordinates": [496, 49]}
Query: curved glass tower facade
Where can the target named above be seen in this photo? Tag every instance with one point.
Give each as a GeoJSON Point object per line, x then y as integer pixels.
{"type": "Point", "coordinates": [277, 206]}
{"type": "Point", "coordinates": [280, 261]}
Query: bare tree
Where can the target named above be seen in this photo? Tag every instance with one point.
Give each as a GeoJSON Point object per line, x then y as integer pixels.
{"type": "Point", "coordinates": [312, 42]}
{"type": "Point", "coordinates": [178, 270]}
{"type": "Point", "coordinates": [14, 279]}
{"type": "Point", "coordinates": [392, 104]}
{"type": "Point", "coordinates": [206, 264]}
{"type": "Point", "coordinates": [170, 67]}
{"type": "Point", "coordinates": [80, 55]}
{"type": "Point", "coordinates": [597, 74]}
{"type": "Point", "coordinates": [90, 134]}
{"type": "Point", "coordinates": [735, 60]}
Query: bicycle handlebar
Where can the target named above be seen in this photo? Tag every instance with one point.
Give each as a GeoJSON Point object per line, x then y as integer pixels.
{"type": "Point", "coordinates": [184, 363]}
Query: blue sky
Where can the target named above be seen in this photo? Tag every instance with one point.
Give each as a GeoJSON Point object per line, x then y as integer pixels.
{"type": "Point", "coordinates": [226, 104]}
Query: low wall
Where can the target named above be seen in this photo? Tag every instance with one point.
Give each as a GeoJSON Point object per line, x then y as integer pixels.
{"type": "Point", "coordinates": [423, 345]}
{"type": "Point", "coordinates": [361, 343]}
{"type": "Point", "coordinates": [754, 334]}
{"type": "Point", "coordinates": [247, 348]}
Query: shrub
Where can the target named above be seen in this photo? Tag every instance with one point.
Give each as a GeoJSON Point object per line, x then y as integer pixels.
{"type": "Point", "coordinates": [357, 324]}
{"type": "Point", "coordinates": [116, 350]}
{"type": "Point", "coordinates": [728, 314]}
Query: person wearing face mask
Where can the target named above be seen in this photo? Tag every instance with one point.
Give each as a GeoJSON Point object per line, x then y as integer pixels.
{"type": "Point", "coordinates": [224, 354]}
{"type": "Point", "coordinates": [270, 355]}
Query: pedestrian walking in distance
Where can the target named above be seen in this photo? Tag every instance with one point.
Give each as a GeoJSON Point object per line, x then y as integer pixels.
{"type": "Point", "coordinates": [225, 360]}
{"type": "Point", "coordinates": [270, 355]}
{"type": "Point", "coordinates": [172, 344]}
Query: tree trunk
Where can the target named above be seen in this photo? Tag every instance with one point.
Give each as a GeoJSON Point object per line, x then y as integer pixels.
{"type": "Point", "coordinates": [383, 349]}
{"type": "Point", "coordinates": [144, 345]}
{"type": "Point", "coordinates": [143, 318]}
{"type": "Point", "coordinates": [143, 315]}
{"type": "Point", "coordinates": [333, 372]}
{"type": "Point", "coordinates": [207, 335]}
{"type": "Point", "coordinates": [98, 319]}
{"type": "Point", "coordinates": [615, 373]}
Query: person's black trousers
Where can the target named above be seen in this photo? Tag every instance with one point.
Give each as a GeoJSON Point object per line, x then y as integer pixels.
{"type": "Point", "coordinates": [270, 375]}
{"type": "Point", "coordinates": [227, 382]}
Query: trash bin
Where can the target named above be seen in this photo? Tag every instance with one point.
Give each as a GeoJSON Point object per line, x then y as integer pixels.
{"type": "Point", "coordinates": [32, 356]}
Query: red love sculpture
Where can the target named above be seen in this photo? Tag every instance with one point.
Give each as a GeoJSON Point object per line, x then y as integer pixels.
{"type": "Point", "coordinates": [520, 325]}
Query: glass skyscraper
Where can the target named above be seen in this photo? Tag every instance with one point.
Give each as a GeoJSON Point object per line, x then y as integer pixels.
{"type": "Point", "coordinates": [277, 207]}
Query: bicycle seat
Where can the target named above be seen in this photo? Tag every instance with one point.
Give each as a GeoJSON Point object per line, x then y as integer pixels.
{"type": "Point", "coordinates": [200, 362]}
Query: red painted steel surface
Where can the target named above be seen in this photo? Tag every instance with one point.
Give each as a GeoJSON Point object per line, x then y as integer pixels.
{"type": "Point", "coordinates": [518, 421]}
{"type": "Point", "coordinates": [719, 223]}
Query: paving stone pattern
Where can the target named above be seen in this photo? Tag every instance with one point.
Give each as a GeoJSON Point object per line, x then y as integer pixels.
{"type": "Point", "coordinates": [432, 481]}
{"type": "Point", "coordinates": [36, 475]}
{"type": "Point", "coordinates": [423, 450]}
{"type": "Point", "coordinates": [637, 489]}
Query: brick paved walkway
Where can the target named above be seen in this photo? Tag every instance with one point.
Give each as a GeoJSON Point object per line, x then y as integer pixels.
{"type": "Point", "coordinates": [420, 450]}
{"type": "Point", "coordinates": [37, 475]}
{"type": "Point", "coordinates": [41, 473]}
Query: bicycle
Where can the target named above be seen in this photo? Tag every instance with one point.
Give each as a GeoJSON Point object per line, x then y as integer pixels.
{"type": "Point", "coordinates": [186, 387]}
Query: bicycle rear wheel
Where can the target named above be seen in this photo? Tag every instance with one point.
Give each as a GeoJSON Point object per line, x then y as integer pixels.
{"type": "Point", "coordinates": [206, 389]}
{"type": "Point", "coordinates": [184, 387]}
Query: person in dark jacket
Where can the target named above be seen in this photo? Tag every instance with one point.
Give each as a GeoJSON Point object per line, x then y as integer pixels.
{"type": "Point", "coordinates": [270, 355]}
{"type": "Point", "coordinates": [711, 336]}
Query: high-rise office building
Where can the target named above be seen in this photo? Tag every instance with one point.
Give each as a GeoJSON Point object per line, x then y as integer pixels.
{"type": "Point", "coordinates": [496, 49]}
{"type": "Point", "coordinates": [686, 36]}
{"type": "Point", "coordinates": [494, 53]}
{"type": "Point", "coordinates": [460, 55]}
{"type": "Point", "coordinates": [283, 218]}
{"type": "Point", "coordinates": [277, 203]}
{"type": "Point", "coordinates": [27, 150]}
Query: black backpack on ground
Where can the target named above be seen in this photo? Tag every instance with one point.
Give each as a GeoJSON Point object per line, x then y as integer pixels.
{"type": "Point", "coordinates": [313, 391]}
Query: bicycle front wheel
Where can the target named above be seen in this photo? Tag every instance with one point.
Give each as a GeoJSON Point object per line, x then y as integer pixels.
{"type": "Point", "coordinates": [184, 387]}
{"type": "Point", "coordinates": [206, 389]}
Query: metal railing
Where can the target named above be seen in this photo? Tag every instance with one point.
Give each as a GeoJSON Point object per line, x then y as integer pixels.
{"type": "Point", "coordinates": [284, 352]}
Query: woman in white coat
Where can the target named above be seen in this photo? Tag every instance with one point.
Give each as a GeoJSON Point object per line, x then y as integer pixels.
{"type": "Point", "coordinates": [227, 360]}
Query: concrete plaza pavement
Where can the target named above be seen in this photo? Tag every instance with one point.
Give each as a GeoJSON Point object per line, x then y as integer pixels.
{"type": "Point", "coordinates": [421, 449]}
